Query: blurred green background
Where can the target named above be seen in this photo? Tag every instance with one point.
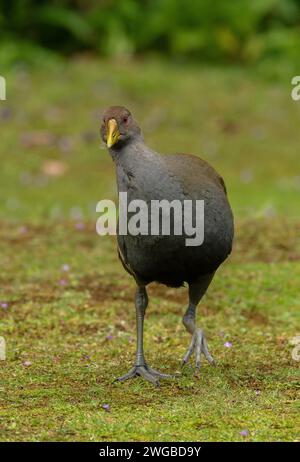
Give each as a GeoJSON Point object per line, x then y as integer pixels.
{"type": "Point", "coordinates": [229, 31]}
{"type": "Point", "coordinates": [209, 78]}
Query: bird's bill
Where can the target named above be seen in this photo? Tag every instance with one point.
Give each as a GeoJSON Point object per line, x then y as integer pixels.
{"type": "Point", "coordinates": [112, 133]}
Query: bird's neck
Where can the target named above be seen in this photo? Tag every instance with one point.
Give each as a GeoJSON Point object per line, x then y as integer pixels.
{"type": "Point", "coordinates": [133, 154]}
{"type": "Point", "coordinates": [137, 169]}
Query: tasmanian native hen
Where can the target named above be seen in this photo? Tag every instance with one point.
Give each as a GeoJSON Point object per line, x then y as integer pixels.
{"type": "Point", "coordinates": [166, 258]}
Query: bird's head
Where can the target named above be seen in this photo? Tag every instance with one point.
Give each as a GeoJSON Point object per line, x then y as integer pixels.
{"type": "Point", "coordinates": [118, 127]}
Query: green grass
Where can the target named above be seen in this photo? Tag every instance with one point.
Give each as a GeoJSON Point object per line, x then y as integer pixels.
{"type": "Point", "coordinates": [66, 343]}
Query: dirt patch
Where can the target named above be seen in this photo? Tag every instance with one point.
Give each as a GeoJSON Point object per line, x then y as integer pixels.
{"type": "Point", "coordinates": [256, 317]}
{"type": "Point", "coordinates": [266, 240]}
{"type": "Point", "coordinates": [253, 381]}
{"type": "Point", "coordinates": [175, 295]}
{"type": "Point", "coordinates": [101, 290]}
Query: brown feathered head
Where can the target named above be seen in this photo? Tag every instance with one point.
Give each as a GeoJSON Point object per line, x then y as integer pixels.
{"type": "Point", "coordinates": [118, 127]}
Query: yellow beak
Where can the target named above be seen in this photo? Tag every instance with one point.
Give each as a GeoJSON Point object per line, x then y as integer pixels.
{"type": "Point", "coordinates": [112, 133]}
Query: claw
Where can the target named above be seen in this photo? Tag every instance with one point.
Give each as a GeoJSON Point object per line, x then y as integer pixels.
{"type": "Point", "coordinates": [189, 351]}
{"type": "Point", "coordinates": [198, 349]}
{"type": "Point", "coordinates": [160, 374]}
{"type": "Point", "coordinates": [198, 345]}
{"type": "Point", "coordinates": [148, 376]}
{"type": "Point", "coordinates": [206, 353]}
{"type": "Point", "coordinates": [146, 372]}
{"type": "Point", "coordinates": [127, 376]}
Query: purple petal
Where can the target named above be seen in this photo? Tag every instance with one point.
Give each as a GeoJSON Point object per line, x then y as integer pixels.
{"type": "Point", "coordinates": [106, 407]}
{"type": "Point", "coordinates": [228, 345]}
{"type": "Point", "coordinates": [27, 363]}
{"type": "Point", "coordinates": [23, 230]}
{"type": "Point", "coordinates": [65, 267]}
{"type": "Point", "coordinates": [79, 226]}
{"type": "Point", "coordinates": [4, 305]}
{"type": "Point", "coordinates": [244, 432]}
{"type": "Point", "coordinates": [63, 282]}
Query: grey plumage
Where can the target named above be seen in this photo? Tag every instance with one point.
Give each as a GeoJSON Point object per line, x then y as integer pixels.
{"type": "Point", "coordinates": [145, 174]}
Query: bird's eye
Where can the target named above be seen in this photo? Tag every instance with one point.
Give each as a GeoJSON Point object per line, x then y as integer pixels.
{"type": "Point", "coordinates": [125, 119]}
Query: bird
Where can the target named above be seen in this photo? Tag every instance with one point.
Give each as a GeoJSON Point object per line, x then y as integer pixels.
{"type": "Point", "coordinates": [144, 174]}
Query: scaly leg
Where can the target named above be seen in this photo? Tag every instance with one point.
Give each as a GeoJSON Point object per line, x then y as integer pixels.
{"type": "Point", "coordinates": [198, 344]}
{"type": "Point", "coordinates": [141, 368]}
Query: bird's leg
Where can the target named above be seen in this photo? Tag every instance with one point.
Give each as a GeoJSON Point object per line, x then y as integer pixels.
{"type": "Point", "coordinates": [140, 367]}
{"type": "Point", "coordinates": [141, 303]}
{"type": "Point", "coordinates": [198, 343]}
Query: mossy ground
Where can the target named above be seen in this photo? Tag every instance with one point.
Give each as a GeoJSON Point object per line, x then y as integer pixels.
{"type": "Point", "coordinates": [67, 310]}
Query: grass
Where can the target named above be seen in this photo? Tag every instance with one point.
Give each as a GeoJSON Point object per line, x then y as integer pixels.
{"type": "Point", "coordinates": [70, 333]}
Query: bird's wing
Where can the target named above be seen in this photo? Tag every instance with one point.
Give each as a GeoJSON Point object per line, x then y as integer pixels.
{"type": "Point", "coordinates": [193, 172]}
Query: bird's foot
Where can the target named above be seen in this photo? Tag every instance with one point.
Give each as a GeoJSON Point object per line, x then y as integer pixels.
{"type": "Point", "coordinates": [198, 345]}
{"type": "Point", "coordinates": [146, 372]}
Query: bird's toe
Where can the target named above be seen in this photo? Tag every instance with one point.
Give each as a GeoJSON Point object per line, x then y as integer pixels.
{"type": "Point", "coordinates": [127, 376]}
{"type": "Point", "coordinates": [198, 346]}
{"type": "Point", "coordinates": [160, 374]}
{"type": "Point", "coordinates": [146, 372]}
